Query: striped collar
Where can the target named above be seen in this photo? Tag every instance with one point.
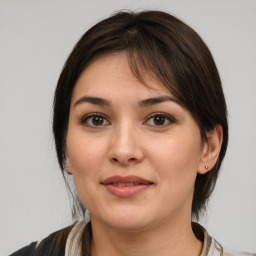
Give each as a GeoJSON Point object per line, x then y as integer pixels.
{"type": "Point", "coordinates": [210, 246]}
{"type": "Point", "coordinates": [73, 244]}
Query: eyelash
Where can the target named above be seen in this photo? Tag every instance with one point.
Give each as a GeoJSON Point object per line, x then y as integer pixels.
{"type": "Point", "coordinates": [84, 119]}
{"type": "Point", "coordinates": [167, 117]}
{"type": "Point", "coordinates": [170, 119]}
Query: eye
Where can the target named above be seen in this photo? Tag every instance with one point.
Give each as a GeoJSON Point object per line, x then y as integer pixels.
{"type": "Point", "coordinates": [94, 120]}
{"type": "Point", "coordinates": [160, 120]}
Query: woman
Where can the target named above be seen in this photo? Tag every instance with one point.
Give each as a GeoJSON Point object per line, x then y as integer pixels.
{"type": "Point", "coordinates": [140, 126]}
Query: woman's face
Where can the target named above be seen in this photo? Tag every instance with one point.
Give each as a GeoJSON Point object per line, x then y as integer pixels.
{"type": "Point", "coordinates": [134, 151]}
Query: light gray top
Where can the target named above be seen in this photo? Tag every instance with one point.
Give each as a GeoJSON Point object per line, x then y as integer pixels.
{"type": "Point", "coordinates": [210, 246]}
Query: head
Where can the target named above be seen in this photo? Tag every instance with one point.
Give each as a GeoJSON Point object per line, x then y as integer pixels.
{"type": "Point", "coordinates": [161, 47]}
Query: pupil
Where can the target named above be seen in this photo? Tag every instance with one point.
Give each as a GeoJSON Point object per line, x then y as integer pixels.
{"type": "Point", "coordinates": [159, 120]}
{"type": "Point", "coordinates": [97, 120]}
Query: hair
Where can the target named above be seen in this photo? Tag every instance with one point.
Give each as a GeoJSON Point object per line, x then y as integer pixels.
{"type": "Point", "coordinates": [161, 46]}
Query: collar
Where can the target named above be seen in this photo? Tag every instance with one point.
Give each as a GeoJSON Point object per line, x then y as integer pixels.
{"type": "Point", "coordinates": [73, 244]}
{"type": "Point", "coordinates": [210, 246]}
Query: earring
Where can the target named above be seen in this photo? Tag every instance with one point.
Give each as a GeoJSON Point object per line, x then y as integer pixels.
{"type": "Point", "coordinates": [207, 167]}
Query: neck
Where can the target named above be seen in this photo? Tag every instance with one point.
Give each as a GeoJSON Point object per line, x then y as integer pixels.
{"type": "Point", "coordinates": [175, 238]}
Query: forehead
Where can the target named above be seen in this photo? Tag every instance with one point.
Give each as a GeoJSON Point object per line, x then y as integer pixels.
{"type": "Point", "coordinates": [111, 75]}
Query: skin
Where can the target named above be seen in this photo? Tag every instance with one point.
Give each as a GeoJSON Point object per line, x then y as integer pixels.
{"type": "Point", "coordinates": [128, 140]}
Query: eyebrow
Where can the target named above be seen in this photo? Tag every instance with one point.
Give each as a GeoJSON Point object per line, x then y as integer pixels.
{"type": "Point", "coordinates": [157, 100]}
{"type": "Point", "coordinates": [143, 103]}
{"type": "Point", "coordinates": [92, 100]}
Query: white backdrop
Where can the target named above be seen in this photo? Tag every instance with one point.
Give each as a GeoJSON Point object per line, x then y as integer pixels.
{"type": "Point", "coordinates": [35, 38]}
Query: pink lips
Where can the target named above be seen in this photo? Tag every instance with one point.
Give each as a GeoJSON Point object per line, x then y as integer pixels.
{"type": "Point", "coordinates": [126, 186]}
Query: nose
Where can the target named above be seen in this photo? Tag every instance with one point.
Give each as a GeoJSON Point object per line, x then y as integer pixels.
{"type": "Point", "coordinates": [125, 146]}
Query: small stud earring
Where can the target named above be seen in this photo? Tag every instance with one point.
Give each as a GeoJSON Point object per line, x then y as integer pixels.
{"type": "Point", "coordinates": [207, 167]}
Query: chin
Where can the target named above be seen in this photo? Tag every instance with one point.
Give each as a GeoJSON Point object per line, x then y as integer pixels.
{"type": "Point", "coordinates": [126, 220]}
{"type": "Point", "coordinates": [129, 225]}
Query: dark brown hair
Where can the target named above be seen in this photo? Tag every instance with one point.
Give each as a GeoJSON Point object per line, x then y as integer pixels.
{"type": "Point", "coordinates": [162, 46]}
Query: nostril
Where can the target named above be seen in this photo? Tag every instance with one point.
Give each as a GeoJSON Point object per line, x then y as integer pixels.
{"type": "Point", "coordinates": [132, 159]}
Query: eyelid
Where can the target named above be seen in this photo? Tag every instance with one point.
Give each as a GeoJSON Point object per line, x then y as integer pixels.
{"type": "Point", "coordinates": [84, 118]}
{"type": "Point", "coordinates": [94, 114]}
{"type": "Point", "coordinates": [170, 118]}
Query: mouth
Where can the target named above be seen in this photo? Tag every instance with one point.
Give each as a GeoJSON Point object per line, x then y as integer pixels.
{"type": "Point", "coordinates": [127, 186]}
{"type": "Point", "coordinates": [121, 184]}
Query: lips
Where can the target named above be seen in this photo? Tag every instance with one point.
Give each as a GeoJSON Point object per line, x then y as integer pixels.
{"type": "Point", "coordinates": [126, 179]}
{"type": "Point", "coordinates": [126, 186]}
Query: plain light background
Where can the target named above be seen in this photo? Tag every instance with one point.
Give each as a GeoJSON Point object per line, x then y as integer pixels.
{"type": "Point", "coordinates": [36, 37]}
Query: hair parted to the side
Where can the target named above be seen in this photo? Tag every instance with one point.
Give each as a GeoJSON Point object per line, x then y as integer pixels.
{"type": "Point", "coordinates": [159, 45]}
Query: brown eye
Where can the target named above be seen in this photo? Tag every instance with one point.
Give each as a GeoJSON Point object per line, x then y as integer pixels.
{"type": "Point", "coordinates": [160, 120]}
{"type": "Point", "coordinates": [94, 120]}
{"type": "Point", "coordinates": [97, 120]}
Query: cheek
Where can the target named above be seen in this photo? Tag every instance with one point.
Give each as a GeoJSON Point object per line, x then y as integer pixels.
{"type": "Point", "coordinates": [176, 160]}
{"type": "Point", "coordinates": [176, 163]}
{"type": "Point", "coordinates": [86, 155]}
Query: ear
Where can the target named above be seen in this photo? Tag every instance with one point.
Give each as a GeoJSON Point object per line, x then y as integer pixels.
{"type": "Point", "coordinates": [211, 149]}
{"type": "Point", "coordinates": [67, 163]}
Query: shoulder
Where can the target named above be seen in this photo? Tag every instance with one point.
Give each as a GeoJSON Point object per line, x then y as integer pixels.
{"type": "Point", "coordinates": [210, 246]}
{"type": "Point", "coordinates": [217, 250]}
{"type": "Point", "coordinates": [54, 244]}
{"type": "Point", "coordinates": [26, 251]}
{"type": "Point", "coordinates": [226, 253]}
